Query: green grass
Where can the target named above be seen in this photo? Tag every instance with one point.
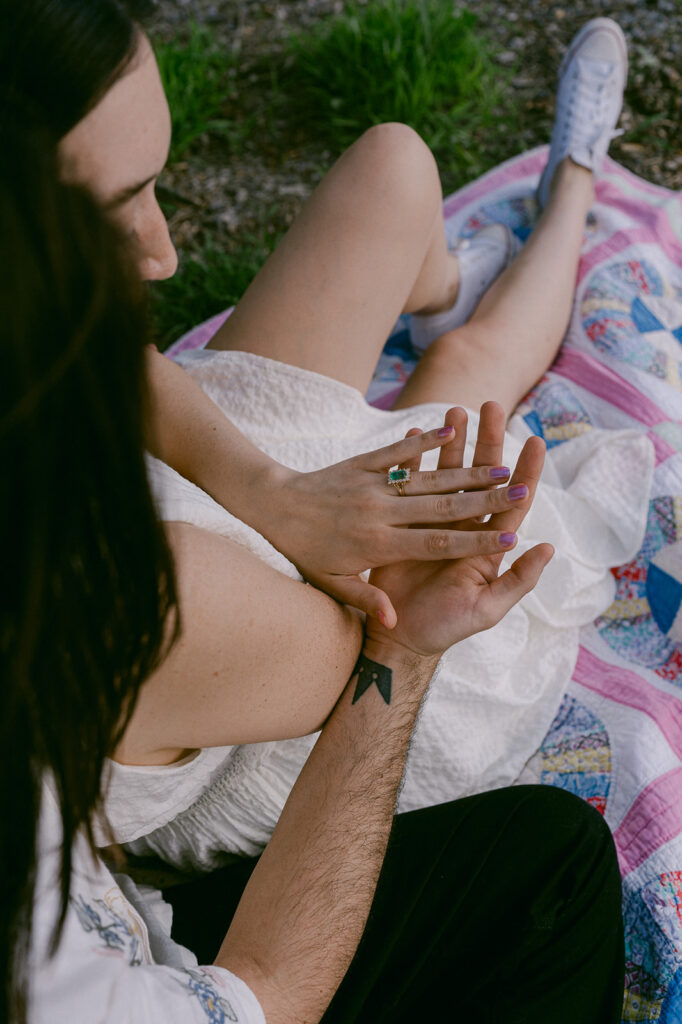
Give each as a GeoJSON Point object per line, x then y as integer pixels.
{"type": "Point", "coordinates": [198, 76]}
{"type": "Point", "coordinates": [209, 279]}
{"type": "Point", "coordinates": [397, 60]}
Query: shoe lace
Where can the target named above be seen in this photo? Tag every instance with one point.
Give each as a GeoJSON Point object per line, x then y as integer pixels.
{"type": "Point", "coordinates": [591, 93]}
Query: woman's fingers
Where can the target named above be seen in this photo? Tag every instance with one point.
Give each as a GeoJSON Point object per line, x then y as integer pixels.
{"type": "Point", "coordinates": [453, 508]}
{"type": "Point", "coordinates": [450, 476]}
{"type": "Point", "coordinates": [490, 437]}
{"type": "Point", "coordinates": [452, 455]}
{"type": "Point", "coordinates": [356, 592]}
{"type": "Point", "coordinates": [403, 451]}
{"type": "Point", "coordinates": [448, 481]}
{"type": "Point", "coordinates": [414, 465]}
{"type": "Point", "coordinates": [528, 471]}
{"type": "Point", "coordinates": [432, 545]}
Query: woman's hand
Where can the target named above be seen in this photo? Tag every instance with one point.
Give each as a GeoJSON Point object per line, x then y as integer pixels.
{"type": "Point", "coordinates": [339, 521]}
{"type": "Point", "coordinates": [438, 604]}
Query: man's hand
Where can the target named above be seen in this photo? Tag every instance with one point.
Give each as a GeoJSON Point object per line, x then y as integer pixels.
{"type": "Point", "coordinates": [440, 603]}
{"type": "Point", "coordinates": [339, 521]}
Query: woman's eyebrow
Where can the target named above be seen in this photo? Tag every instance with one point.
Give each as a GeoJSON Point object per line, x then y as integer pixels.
{"type": "Point", "coordinates": [129, 191]}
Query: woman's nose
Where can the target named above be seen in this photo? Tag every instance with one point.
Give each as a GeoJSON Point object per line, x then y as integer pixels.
{"type": "Point", "coordinates": [157, 258]}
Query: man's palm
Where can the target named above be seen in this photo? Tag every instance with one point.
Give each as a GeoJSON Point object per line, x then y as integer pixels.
{"type": "Point", "coordinates": [440, 603]}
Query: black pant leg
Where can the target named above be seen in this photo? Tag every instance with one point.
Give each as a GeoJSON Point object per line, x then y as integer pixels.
{"type": "Point", "coordinates": [203, 909]}
{"type": "Point", "coordinates": [504, 908]}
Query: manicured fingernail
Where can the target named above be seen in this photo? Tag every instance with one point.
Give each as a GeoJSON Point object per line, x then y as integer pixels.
{"type": "Point", "coordinates": [382, 619]}
{"type": "Point", "coordinates": [518, 492]}
{"type": "Point", "coordinates": [499, 473]}
{"type": "Point", "coordinates": [445, 431]}
{"type": "Point", "coordinates": [507, 539]}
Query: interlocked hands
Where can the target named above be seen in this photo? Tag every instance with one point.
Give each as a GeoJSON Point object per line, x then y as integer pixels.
{"type": "Point", "coordinates": [439, 603]}
{"type": "Point", "coordinates": [337, 522]}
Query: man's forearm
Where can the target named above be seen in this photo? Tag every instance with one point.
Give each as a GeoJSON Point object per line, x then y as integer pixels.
{"type": "Point", "coordinates": [304, 910]}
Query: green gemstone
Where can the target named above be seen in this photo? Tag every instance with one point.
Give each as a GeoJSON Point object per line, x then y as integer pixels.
{"type": "Point", "coordinates": [396, 475]}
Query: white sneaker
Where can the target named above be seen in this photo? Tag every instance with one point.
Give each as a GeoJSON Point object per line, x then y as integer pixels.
{"type": "Point", "coordinates": [481, 258]}
{"type": "Point", "coordinates": [589, 99]}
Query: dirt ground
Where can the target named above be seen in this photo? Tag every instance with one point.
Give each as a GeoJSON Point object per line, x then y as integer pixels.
{"type": "Point", "coordinates": [232, 192]}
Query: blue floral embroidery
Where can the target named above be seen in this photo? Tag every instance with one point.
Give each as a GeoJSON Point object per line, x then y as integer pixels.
{"type": "Point", "coordinates": [217, 1009]}
{"type": "Point", "coordinates": [114, 931]}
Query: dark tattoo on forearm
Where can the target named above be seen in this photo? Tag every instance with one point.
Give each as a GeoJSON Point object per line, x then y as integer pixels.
{"type": "Point", "coordinates": [369, 672]}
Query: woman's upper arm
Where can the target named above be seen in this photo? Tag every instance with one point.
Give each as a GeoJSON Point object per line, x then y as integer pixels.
{"type": "Point", "coordinates": [260, 656]}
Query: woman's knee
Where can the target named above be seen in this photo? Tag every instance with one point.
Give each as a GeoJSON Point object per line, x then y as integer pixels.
{"type": "Point", "coordinates": [403, 167]}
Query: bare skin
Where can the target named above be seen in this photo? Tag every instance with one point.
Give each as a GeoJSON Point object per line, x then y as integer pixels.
{"type": "Point", "coordinates": [329, 308]}
{"type": "Point", "coordinates": [368, 245]}
{"type": "Point", "coordinates": [324, 301]}
{"type": "Point", "coordinates": [477, 351]}
{"type": "Point", "coordinates": [325, 522]}
{"type": "Point", "coordinates": [269, 660]}
{"type": "Point", "coordinates": [118, 150]}
{"type": "Point", "coordinates": [503, 333]}
{"type": "Point", "coordinates": [515, 332]}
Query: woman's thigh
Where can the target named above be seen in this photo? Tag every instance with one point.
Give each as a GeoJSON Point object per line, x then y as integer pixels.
{"type": "Point", "coordinates": [328, 296]}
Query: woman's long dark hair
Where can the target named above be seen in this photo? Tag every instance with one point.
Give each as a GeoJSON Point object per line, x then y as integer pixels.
{"type": "Point", "coordinates": [87, 605]}
{"type": "Point", "coordinates": [61, 56]}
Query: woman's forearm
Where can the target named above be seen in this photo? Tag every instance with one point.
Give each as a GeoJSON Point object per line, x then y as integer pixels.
{"type": "Point", "coordinates": [189, 432]}
{"type": "Point", "coordinates": [304, 910]}
{"type": "Point", "coordinates": [332, 523]}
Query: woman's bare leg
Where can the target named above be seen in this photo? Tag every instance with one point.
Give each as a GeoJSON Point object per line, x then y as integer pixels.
{"type": "Point", "coordinates": [518, 326]}
{"type": "Point", "coordinates": [368, 245]}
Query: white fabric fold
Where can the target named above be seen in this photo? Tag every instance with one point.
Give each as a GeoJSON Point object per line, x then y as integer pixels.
{"type": "Point", "coordinates": [495, 694]}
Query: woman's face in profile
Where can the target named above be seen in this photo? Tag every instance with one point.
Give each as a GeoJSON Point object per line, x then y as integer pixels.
{"type": "Point", "coordinates": [118, 150]}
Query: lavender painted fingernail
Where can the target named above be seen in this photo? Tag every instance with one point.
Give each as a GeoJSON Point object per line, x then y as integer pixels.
{"type": "Point", "coordinates": [445, 431]}
{"type": "Point", "coordinates": [517, 493]}
{"type": "Point", "coordinates": [507, 539]}
{"type": "Point", "coordinates": [499, 473]}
